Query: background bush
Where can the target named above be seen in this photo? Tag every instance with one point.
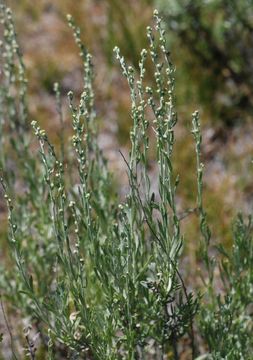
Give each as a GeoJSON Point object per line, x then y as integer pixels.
{"type": "Point", "coordinates": [215, 37]}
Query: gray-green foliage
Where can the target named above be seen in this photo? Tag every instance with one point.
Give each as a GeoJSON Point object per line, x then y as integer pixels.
{"type": "Point", "coordinates": [99, 276]}
{"type": "Point", "coordinates": [226, 322]}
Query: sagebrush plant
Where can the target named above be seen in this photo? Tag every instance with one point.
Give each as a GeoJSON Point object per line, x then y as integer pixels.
{"type": "Point", "coordinates": [216, 38]}
{"type": "Point", "coordinates": [99, 277]}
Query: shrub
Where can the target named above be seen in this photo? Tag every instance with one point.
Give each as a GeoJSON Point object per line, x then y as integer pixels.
{"type": "Point", "coordinates": [216, 40]}
{"type": "Point", "coordinates": [98, 276]}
